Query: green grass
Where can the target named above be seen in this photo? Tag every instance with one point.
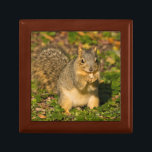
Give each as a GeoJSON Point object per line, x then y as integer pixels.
{"type": "Point", "coordinates": [74, 37]}
{"type": "Point", "coordinates": [109, 109]}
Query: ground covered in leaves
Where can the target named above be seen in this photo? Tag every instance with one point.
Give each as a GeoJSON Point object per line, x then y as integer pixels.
{"type": "Point", "coordinates": [44, 106]}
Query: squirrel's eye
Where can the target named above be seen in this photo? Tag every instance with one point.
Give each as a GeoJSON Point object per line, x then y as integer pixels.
{"type": "Point", "coordinates": [82, 61]}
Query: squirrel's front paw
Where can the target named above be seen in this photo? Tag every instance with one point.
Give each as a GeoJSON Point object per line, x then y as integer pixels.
{"type": "Point", "coordinates": [67, 113]}
{"type": "Point", "coordinates": [91, 78]}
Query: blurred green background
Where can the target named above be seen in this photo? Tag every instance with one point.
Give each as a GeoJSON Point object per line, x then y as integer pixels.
{"type": "Point", "coordinates": [44, 106]}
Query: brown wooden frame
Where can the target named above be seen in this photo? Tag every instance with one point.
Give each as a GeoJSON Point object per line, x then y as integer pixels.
{"type": "Point", "coordinates": [126, 29]}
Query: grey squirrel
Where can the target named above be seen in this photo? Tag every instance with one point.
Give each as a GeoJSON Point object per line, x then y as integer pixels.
{"type": "Point", "coordinates": [76, 81]}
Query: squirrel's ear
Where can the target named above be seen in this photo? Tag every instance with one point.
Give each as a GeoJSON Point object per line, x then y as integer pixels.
{"type": "Point", "coordinates": [95, 50]}
{"type": "Point", "coordinates": [79, 51]}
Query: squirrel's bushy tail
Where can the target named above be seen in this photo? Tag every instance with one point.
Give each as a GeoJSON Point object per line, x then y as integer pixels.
{"type": "Point", "coordinates": [46, 67]}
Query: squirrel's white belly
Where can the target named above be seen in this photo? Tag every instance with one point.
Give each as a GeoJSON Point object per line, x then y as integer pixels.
{"type": "Point", "coordinates": [77, 98]}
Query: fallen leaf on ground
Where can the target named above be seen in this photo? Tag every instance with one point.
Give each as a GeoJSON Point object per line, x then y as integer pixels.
{"type": "Point", "coordinates": [86, 46]}
{"type": "Point", "coordinates": [81, 33]}
{"type": "Point", "coordinates": [101, 116]}
{"type": "Point", "coordinates": [39, 109]}
{"type": "Point", "coordinates": [115, 48]}
{"type": "Point", "coordinates": [110, 40]}
{"type": "Point", "coordinates": [47, 36]}
{"type": "Point", "coordinates": [41, 116]}
{"type": "Point", "coordinates": [62, 33]}
{"type": "Point", "coordinates": [114, 98]}
{"type": "Point", "coordinates": [110, 60]}
{"type": "Point", "coordinates": [113, 117]}
{"type": "Point", "coordinates": [117, 43]}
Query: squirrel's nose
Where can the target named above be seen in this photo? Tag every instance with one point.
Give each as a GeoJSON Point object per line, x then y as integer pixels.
{"type": "Point", "coordinates": [90, 69]}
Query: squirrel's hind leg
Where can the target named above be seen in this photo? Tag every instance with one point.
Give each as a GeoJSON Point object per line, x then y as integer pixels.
{"type": "Point", "coordinates": [93, 102]}
{"type": "Point", "coordinates": [66, 104]}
